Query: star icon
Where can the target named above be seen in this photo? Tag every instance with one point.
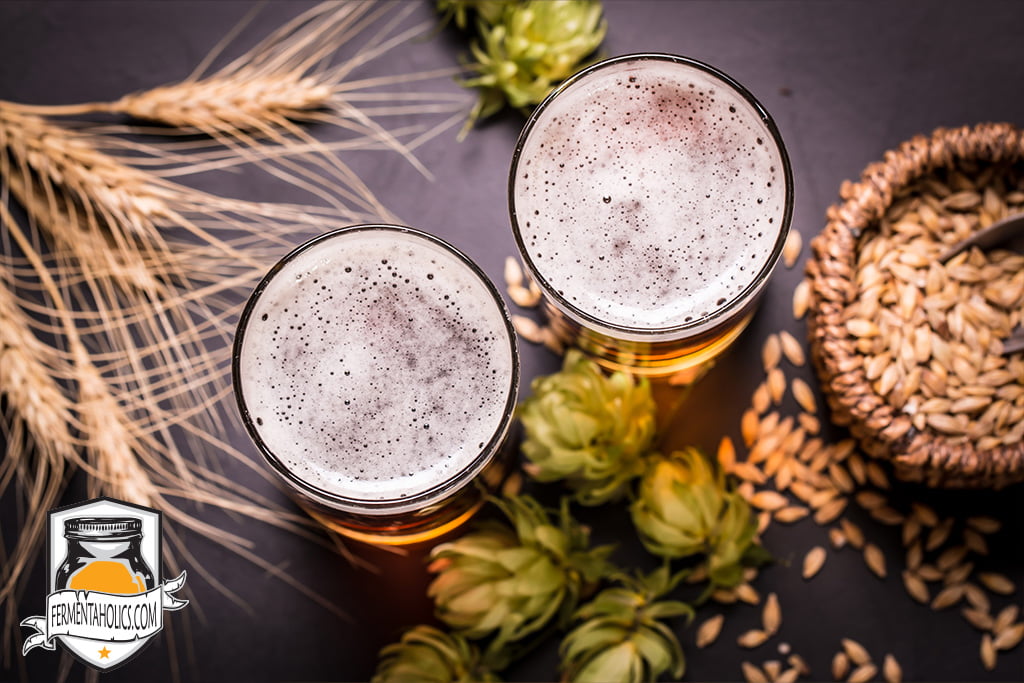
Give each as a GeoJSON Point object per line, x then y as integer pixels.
{"type": "Point", "coordinates": [104, 653]}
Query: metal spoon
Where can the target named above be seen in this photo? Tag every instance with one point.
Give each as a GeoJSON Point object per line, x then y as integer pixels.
{"type": "Point", "coordinates": [1008, 233]}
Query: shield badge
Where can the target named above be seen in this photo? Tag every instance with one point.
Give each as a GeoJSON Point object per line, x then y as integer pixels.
{"type": "Point", "coordinates": [106, 599]}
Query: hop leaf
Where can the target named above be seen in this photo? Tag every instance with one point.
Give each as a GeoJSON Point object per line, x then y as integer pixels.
{"type": "Point", "coordinates": [512, 581]}
{"type": "Point", "coordinates": [533, 47]}
{"type": "Point", "coordinates": [588, 429]}
{"type": "Point", "coordinates": [623, 636]}
{"type": "Point", "coordinates": [684, 508]}
{"type": "Point", "coordinates": [428, 655]}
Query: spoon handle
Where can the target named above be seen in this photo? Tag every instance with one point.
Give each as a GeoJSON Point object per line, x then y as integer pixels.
{"type": "Point", "coordinates": [986, 238]}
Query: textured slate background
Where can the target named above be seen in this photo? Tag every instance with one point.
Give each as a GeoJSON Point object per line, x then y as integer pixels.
{"type": "Point", "coordinates": [844, 80]}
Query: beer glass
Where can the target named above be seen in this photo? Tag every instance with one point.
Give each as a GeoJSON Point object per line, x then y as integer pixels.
{"type": "Point", "coordinates": [376, 370]}
{"type": "Point", "coordinates": [650, 197]}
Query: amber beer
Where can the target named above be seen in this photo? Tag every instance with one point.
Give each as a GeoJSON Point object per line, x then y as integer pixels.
{"type": "Point", "coordinates": [376, 369]}
{"type": "Point", "coordinates": [650, 197]}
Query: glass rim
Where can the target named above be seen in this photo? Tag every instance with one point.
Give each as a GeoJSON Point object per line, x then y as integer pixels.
{"type": "Point", "coordinates": [391, 505]}
{"type": "Point", "coordinates": [738, 301]}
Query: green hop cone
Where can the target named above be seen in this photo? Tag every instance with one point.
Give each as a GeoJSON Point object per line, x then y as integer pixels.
{"type": "Point", "coordinates": [428, 655]}
{"type": "Point", "coordinates": [623, 636]}
{"type": "Point", "coordinates": [533, 46]}
{"type": "Point", "coordinates": [733, 544]}
{"type": "Point", "coordinates": [683, 508]}
{"type": "Point", "coordinates": [489, 11]}
{"type": "Point", "coordinates": [513, 580]}
{"type": "Point", "coordinates": [588, 429]}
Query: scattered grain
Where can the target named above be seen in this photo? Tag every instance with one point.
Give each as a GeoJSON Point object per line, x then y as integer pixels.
{"type": "Point", "coordinates": [916, 588]}
{"type": "Point", "coordinates": [948, 597]}
{"type": "Point", "coordinates": [803, 395]}
{"type": "Point", "coordinates": [988, 652]}
{"type": "Point", "coordinates": [771, 353]}
{"type": "Point", "coordinates": [791, 250]}
{"type": "Point", "coordinates": [801, 298]}
{"type": "Point", "coordinates": [771, 615]}
{"type": "Point", "coordinates": [813, 561]}
{"type": "Point", "coordinates": [792, 349]}
{"type": "Point", "coordinates": [753, 674]}
{"type": "Point", "coordinates": [753, 638]}
{"type": "Point", "coordinates": [875, 560]}
{"type": "Point", "coordinates": [1009, 637]}
{"type": "Point", "coordinates": [708, 631]}
{"type": "Point", "coordinates": [997, 583]}
{"type": "Point", "coordinates": [978, 619]}
{"type": "Point", "coordinates": [863, 673]}
{"type": "Point", "coordinates": [840, 666]}
{"type": "Point", "coordinates": [891, 670]}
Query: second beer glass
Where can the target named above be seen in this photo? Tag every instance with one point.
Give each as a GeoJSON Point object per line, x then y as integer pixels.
{"type": "Point", "coordinates": [650, 197]}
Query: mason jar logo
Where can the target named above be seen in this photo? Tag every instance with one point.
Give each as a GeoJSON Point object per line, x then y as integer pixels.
{"type": "Point", "coordinates": [106, 600]}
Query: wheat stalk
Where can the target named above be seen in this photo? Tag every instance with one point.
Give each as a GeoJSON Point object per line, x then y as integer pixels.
{"type": "Point", "coordinates": [149, 274]}
{"type": "Point", "coordinates": [253, 105]}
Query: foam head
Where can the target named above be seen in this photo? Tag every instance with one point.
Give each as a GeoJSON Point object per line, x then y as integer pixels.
{"type": "Point", "coordinates": [650, 194]}
{"type": "Point", "coordinates": [376, 364]}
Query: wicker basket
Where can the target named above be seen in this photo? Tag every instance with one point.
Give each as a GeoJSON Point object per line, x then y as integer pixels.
{"type": "Point", "coordinates": [884, 431]}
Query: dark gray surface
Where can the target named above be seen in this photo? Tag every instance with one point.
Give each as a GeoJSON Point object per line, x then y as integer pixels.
{"type": "Point", "coordinates": [844, 80]}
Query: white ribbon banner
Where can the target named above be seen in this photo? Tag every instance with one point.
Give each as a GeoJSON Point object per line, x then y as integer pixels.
{"type": "Point", "coordinates": [103, 616]}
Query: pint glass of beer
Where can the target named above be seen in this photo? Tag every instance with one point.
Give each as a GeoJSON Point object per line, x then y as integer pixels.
{"type": "Point", "coordinates": [376, 370]}
{"type": "Point", "coordinates": [650, 197]}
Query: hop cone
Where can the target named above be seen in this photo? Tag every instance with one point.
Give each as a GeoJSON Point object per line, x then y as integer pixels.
{"type": "Point", "coordinates": [534, 46]}
{"type": "Point", "coordinates": [489, 11]}
{"type": "Point", "coordinates": [512, 581]}
{"type": "Point", "coordinates": [428, 655]}
{"type": "Point", "coordinates": [589, 429]}
{"type": "Point", "coordinates": [622, 637]}
{"type": "Point", "coordinates": [684, 508]}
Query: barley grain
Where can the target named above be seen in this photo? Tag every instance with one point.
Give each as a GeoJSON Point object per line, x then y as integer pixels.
{"type": "Point", "coordinates": [790, 514]}
{"type": "Point", "coordinates": [986, 525]}
{"type": "Point", "coordinates": [863, 673]}
{"type": "Point", "coordinates": [771, 353]}
{"type": "Point", "coordinates": [792, 349]}
{"type": "Point", "coordinates": [916, 588]}
{"type": "Point", "coordinates": [709, 631]}
{"type": "Point", "coordinates": [857, 653]}
{"type": "Point", "coordinates": [513, 273]}
{"type": "Point", "coordinates": [988, 652]}
{"type": "Point", "coordinates": [939, 534]}
{"type": "Point", "coordinates": [828, 512]}
{"type": "Point", "coordinates": [997, 583]}
{"type": "Point", "coordinates": [853, 533]}
{"type": "Point", "coordinates": [527, 328]}
{"type": "Point", "coordinates": [791, 250]}
{"type": "Point", "coordinates": [776, 385]}
{"type": "Point", "coordinates": [803, 395]}
{"type": "Point", "coordinates": [801, 299]}
{"type": "Point", "coordinates": [891, 670]}
{"type": "Point", "coordinates": [1009, 637]}
{"type": "Point", "coordinates": [814, 560]}
{"type": "Point", "coordinates": [753, 674]}
{"type": "Point", "coordinates": [875, 560]}
{"type": "Point", "coordinates": [771, 615]}
{"type": "Point", "coordinates": [948, 597]}
{"type": "Point", "coordinates": [753, 638]}
{"type": "Point", "coordinates": [840, 666]}
{"type": "Point", "coordinates": [978, 619]}
{"type": "Point", "coordinates": [726, 454]}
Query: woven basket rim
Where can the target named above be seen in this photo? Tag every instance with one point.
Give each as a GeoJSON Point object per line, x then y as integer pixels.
{"type": "Point", "coordinates": [918, 455]}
